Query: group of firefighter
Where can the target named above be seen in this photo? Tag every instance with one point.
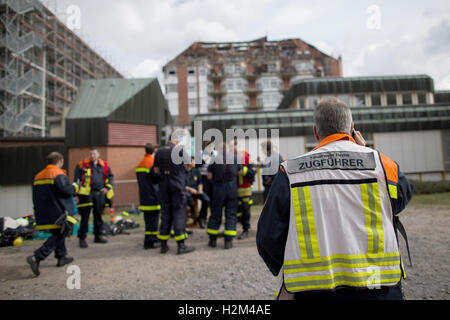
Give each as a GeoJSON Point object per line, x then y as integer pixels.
{"type": "Point", "coordinates": [168, 195]}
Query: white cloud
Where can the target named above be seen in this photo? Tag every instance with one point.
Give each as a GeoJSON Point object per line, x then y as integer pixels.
{"type": "Point", "coordinates": [144, 34]}
{"type": "Point", "coordinates": [148, 68]}
{"type": "Point", "coordinates": [129, 17]}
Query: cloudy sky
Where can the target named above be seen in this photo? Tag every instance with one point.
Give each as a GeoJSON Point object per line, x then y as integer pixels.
{"type": "Point", "coordinates": [373, 37]}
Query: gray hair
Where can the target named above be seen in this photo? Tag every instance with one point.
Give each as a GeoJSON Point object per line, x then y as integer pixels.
{"type": "Point", "coordinates": [332, 116]}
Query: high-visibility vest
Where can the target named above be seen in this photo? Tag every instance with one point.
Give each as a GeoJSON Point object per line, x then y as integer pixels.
{"type": "Point", "coordinates": [341, 230]}
{"type": "Point", "coordinates": [244, 183]}
{"type": "Point", "coordinates": [86, 178]}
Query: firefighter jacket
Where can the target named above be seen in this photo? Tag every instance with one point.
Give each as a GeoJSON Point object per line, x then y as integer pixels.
{"type": "Point", "coordinates": [52, 196]}
{"type": "Point", "coordinates": [83, 176]}
{"type": "Point", "coordinates": [246, 178]}
{"type": "Point", "coordinates": [336, 225]}
{"type": "Point", "coordinates": [146, 181]}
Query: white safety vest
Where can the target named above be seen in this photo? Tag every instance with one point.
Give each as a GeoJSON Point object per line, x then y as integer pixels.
{"type": "Point", "coordinates": [341, 229]}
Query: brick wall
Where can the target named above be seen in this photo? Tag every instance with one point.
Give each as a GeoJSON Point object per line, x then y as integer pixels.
{"type": "Point", "coordinates": [183, 110]}
{"type": "Point", "coordinates": [123, 161]}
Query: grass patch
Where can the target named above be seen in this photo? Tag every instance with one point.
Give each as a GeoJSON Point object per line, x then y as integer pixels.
{"type": "Point", "coordinates": [438, 199]}
{"type": "Point", "coordinates": [430, 187]}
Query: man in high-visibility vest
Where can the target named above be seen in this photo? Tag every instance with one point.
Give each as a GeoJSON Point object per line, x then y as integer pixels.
{"type": "Point", "coordinates": [53, 208]}
{"type": "Point", "coordinates": [329, 226]}
{"type": "Point", "coordinates": [244, 183]}
{"type": "Point", "coordinates": [148, 189]}
{"type": "Point", "coordinates": [96, 187]}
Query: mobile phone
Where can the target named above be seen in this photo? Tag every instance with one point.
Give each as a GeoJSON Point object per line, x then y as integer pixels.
{"type": "Point", "coordinates": [354, 134]}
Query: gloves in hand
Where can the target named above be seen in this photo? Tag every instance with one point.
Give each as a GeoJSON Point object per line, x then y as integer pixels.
{"type": "Point", "coordinates": [67, 223]}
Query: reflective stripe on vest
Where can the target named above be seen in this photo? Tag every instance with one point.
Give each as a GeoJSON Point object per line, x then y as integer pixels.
{"type": "Point", "coordinates": [341, 230]}
{"type": "Point", "coordinates": [150, 208]}
{"type": "Point", "coordinates": [144, 170]}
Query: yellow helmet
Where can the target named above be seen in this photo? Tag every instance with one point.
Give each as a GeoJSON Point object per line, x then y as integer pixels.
{"type": "Point", "coordinates": [18, 241]}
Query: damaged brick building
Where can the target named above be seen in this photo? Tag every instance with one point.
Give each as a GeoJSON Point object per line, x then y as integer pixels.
{"type": "Point", "coordinates": [240, 76]}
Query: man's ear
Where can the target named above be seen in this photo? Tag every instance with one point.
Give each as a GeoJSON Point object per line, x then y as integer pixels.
{"type": "Point", "coordinates": [316, 135]}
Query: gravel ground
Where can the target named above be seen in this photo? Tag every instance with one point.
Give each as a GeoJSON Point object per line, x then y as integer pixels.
{"type": "Point", "coordinates": [121, 269]}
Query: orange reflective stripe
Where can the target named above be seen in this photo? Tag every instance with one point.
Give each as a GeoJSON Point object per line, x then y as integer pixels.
{"type": "Point", "coordinates": [390, 167]}
{"type": "Point", "coordinates": [333, 138]}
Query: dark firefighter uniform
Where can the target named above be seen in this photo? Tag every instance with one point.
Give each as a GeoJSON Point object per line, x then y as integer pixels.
{"type": "Point", "coordinates": [291, 197]}
{"type": "Point", "coordinates": [193, 180]}
{"type": "Point", "coordinates": [52, 198]}
{"type": "Point", "coordinates": [149, 203]}
{"type": "Point", "coordinates": [268, 178]}
{"type": "Point", "coordinates": [244, 183]}
{"type": "Point", "coordinates": [225, 194]}
{"type": "Point", "coordinates": [172, 194]}
{"type": "Point", "coordinates": [93, 178]}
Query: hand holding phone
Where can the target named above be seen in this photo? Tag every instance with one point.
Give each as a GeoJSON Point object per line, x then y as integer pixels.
{"type": "Point", "coordinates": [359, 139]}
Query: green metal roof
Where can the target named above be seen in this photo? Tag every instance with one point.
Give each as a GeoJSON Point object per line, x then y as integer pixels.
{"type": "Point", "coordinates": [101, 97]}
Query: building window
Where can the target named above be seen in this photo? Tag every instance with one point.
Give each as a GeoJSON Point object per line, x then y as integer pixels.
{"type": "Point", "coordinates": [193, 104]}
{"type": "Point", "coordinates": [272, 67]}
{"type": "Point", "coordinates": [303, 66]}
{"type": "Point", "coordinates": [172, 72]}
{"type": "Point", "coordinates": [345, 98]}
{"type": "Point", "coordinates": [171, 88]}
{"type": "Point", "coordinates": [191, 72]}
{"type": "Point", "coordinates": [302, 102]}
{"type": "Point", "coordinates": [313, 101]}
{"type": "Point", "coordinates": [391, 99]}
{"type": "Point", "coordinates": [376, 99]}
{"type": "Point", "coordinates": [233, 68]}
{"type": "Point", "coordinates": [192, 87]}
{"type": "Point", "coordinates": [360, 100]}
{"type": "Point", "coordinates": [407, 98]}
{"type": "Point", "coordinates": [211, 104]}
{"type": "Point", "coordinates": [422, 98]}
{"type": "Point", "coordinates": [269, 83]}
{"type": "Point", "coordinates": [202, 71]}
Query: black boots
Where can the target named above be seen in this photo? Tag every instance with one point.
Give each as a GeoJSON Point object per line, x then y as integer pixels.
{"type": "Point", "coordinates": [100, 239]}
{"type": "Point", "coordinates": [183, 249]}
{"type": "Point", "coordinates": [228, 244]}
{"type": "Point", "coordinates": [33, 261]}
{"type": "Point", "coordinates": [212, 242]}
{"type": "Point", "coordinates": [243, 235]}
{"type": "Point", "coordinates": [151, 244]}
{"type": "Point", "coordinates": [164, 247]}
{"type": "Point", "coordinates": [63, 261]}
{"type": "Point", "coordinates": [83, 244]}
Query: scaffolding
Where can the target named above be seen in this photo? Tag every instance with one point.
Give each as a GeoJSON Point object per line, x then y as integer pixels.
{"type": "Point", "coordinates": [42, 64]}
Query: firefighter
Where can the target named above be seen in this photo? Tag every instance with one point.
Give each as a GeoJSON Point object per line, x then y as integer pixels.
{"type": "Point", "coordinates": [223, 172]}
{"type": "Point", "coordinates": [206, 154]}
{"type": "Point", "coordinates": [194, 190]}
{"type": "Point", "coordinates": [270, 165]}
{"type": "Point", "coordinates": [328, 228]}
{"type": "Point", "coordinates": [172, 193]}
{"type": "Point", "coordinates": [148, 189]}
{"type": "Point", "coordinates": [244, 183]}
{"type": "Point", "coordinates": [96, 187]}
{"type": "Point", "coordinates": [53, 208]}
